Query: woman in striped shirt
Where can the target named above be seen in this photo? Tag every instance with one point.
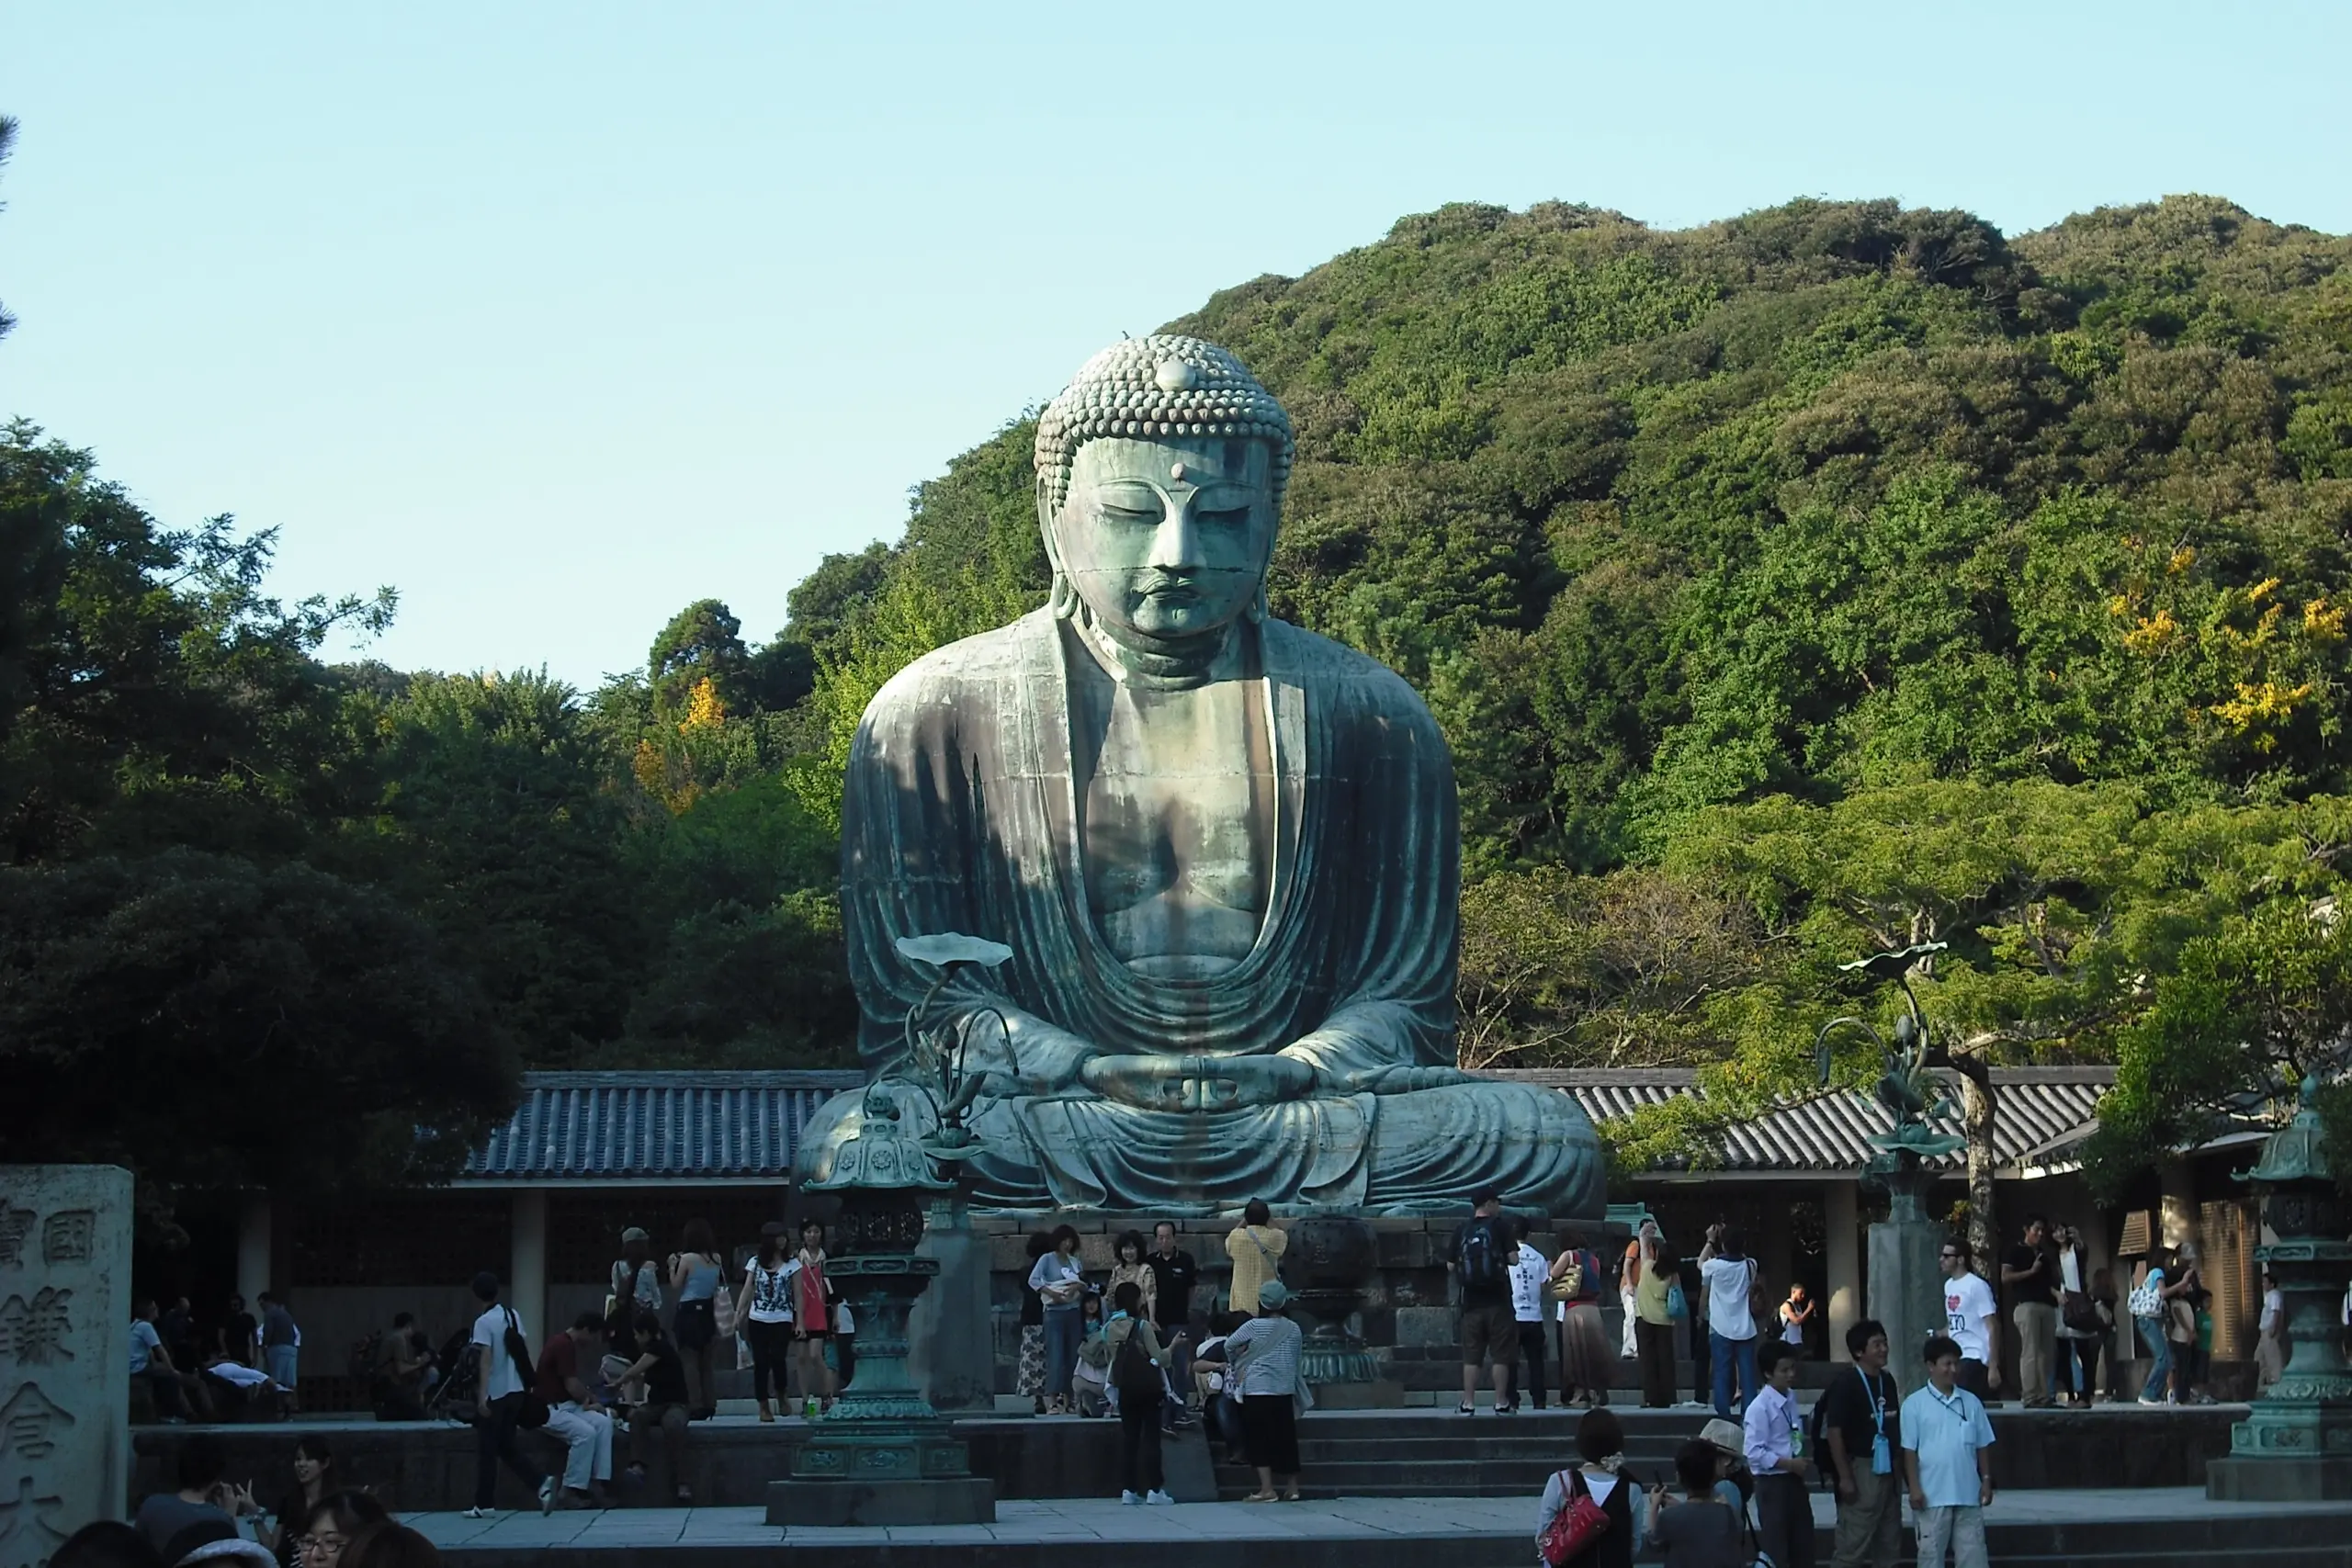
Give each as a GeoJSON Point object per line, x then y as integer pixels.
{"type": "Point", "coordinates": [1263, 1353]}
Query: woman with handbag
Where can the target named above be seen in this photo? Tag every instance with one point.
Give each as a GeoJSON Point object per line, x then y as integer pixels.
{"type": "Point", "coordinates": [1584, 1360]}
{"type": "Point", "coordinates": [813, 1301]}
{"type": "Point", "coordinates": [1587, 1517]}
{"type": "Point", "coordinates": [2150, 1304]}
{"type": "Point", "coordinates": [2078, 1321]}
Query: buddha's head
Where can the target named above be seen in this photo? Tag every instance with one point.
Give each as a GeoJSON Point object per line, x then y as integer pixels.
{"type": "Point", "coordinates": [1160, 470]}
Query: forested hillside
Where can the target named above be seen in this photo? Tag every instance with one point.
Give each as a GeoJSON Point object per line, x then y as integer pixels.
{"type": "Point", "coordinates": [1820, 581]}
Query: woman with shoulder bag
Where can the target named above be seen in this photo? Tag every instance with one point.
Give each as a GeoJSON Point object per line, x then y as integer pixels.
{"type": "Point", "coordinates": [1585, 1360]}
{"type": "Point", "coordinates": [1588, 1518]}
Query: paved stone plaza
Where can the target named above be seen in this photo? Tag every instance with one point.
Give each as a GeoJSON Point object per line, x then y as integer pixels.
{"type": "Point", "coordinates": [1359, 1532]}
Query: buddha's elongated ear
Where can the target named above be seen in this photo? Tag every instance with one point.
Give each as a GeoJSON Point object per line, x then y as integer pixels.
{"type": "Point", "coordinates": [1063, 598]}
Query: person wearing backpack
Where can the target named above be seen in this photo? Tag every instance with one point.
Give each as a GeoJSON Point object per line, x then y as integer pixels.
{"type": "Point", "coordinates": [1483, 1252]}
{"type": "Point", "coordinates": [503, 1401]}
{"type": "Point", "coordinates": [1138, 1364]}
{"type": "Point", "coordinates": [1586, 1518]}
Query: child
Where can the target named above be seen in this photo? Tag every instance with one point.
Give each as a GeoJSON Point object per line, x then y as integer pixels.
{"type": "Point", "coordinates": [1774, 1443]}
{"type": "Point", "coordinates": [1699, 1532]}
{"type": "Point", "coordinates": [1946, 1444]}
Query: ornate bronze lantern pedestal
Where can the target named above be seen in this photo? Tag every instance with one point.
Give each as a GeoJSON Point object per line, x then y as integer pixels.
{"type": "Point", "coordinates": [2297, 1445]}
{"type": "Point", "coordinates": [883, 1456]}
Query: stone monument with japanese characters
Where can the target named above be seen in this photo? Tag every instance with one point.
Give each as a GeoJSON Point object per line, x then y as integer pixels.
{"type": "Point", "coordinates": [64, 1353]}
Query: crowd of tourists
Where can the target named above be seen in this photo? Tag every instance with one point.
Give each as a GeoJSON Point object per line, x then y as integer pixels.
{"type": "Point", "coordinates": [209, 1521]}
{"type": "Point", "coordinates": [241, 1361]}
{"type": "Point", "coordinates": [1123, 1342]}
{"type": "Point", "coordinates": [631, 1371]}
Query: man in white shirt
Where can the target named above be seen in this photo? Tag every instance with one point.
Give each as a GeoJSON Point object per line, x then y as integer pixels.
{"type": "Point", "coordinates": [1527, 1305]}
{"type": "Point", "coordinates": [1729, 1275]}
{"type": "Point", "coordinates": [1946, 1436]}
{"type": "Point", "coordinates": [1971, 1320]}
{"type": "Point", "coordinates": [1773, 1436]}
{"type": "Point", "coordinates": [502, 1371]}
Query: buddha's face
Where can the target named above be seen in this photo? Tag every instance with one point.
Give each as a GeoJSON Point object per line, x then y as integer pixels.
{"type": "Point", "coordinates": [1168, 539]}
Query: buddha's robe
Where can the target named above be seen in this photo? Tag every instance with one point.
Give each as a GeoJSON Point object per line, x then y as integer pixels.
{"type": "Point", "coordinates": [960, 813]}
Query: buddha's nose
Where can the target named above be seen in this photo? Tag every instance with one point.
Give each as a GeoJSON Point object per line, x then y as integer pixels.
{"type": "Point", "coordinates": [1175, 543]}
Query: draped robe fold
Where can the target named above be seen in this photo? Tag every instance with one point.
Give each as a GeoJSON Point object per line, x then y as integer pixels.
{"type": "Point", "coordinates": [960, 813]}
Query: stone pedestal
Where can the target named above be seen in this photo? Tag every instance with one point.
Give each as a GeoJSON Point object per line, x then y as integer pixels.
{"type": "Point", "coordinates": [2296, 1443]}
{"type": "Point", "coordinates": [1907, 1289]}
{"type": "Point", "coordinates": [883, 1455]}
{"type": "Point", "coordinates": [64, 1353]}
{"type": "Point", "coordinates": [950, 1352]}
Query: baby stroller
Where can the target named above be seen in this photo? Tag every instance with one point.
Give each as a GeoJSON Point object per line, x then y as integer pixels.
{"type": "Point", "coordinates": [453, 1396]}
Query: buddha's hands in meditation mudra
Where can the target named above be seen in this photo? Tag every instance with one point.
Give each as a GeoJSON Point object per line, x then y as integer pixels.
{"type": "Point", "coordinates": [1198, 1083]}
{"type": "Point", "coordinates": [1236, 1082]}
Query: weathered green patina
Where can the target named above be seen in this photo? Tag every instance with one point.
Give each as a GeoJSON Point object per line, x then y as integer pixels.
{"type": "Point", "coordinates": [1223, 850]}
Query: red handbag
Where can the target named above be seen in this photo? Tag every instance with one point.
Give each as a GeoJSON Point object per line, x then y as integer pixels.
{"type": "Point", "coordinates": [1575, 1527]}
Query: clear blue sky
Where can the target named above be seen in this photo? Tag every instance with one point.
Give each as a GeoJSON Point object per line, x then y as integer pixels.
{"type": "Point", "coordinates": [556, 318]}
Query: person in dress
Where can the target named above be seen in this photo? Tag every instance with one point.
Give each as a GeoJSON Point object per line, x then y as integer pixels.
{"type": "Point", "coordinates": [813, 1302]}
{"type": "Point", "coordinates": [1264, 1355]}
{"type": "Point", "coordinates": [1584, 1360]}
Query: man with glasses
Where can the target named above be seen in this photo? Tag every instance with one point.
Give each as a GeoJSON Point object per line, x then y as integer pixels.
{"type": "Point", "coordinates": [1971, 1320]}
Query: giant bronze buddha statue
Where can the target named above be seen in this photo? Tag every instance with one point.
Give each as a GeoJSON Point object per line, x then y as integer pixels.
{"type": "Point", "coordinates": [1223, 850]}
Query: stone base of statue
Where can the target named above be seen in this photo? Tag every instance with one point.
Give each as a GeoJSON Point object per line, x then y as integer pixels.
{"type": "Point", "coordinates": [952, 1358]}
{"type": "Point", "coordinates": [2296, 1444]}
{"type": "Point", "coordinates": [1329, 1259]}
{"type": "Point", "coordinates": [1907, 1288]}
{"type": "Point", "coordinates": [882, 1456]}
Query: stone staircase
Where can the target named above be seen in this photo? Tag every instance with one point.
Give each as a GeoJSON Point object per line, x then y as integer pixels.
{"type": "Point", "coordinates": [1437, 1453]}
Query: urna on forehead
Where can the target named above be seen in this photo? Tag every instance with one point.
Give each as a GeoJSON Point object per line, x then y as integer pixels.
{"type": "Point", "coordinates": [1159, 387]}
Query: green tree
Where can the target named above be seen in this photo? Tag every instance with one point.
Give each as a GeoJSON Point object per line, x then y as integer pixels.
{"type": "Point", "coordinates": [215, 1024]}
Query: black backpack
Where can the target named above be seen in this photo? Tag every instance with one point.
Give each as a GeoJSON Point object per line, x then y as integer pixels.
{"type": "Point", "coordinates": [1480, 1254]}
{"type": "Point", "coordinates": [1131, 1370]}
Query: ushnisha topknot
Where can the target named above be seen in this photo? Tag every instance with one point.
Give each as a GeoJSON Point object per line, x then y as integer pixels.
{"type": "Point", "coordinates": [1162, 386]}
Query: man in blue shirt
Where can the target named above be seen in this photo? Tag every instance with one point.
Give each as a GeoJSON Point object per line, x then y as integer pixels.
{"type": "Point", "coordinates": [1947, 1444]}
{"type": "Point", "coordinates": [1774, 1434]}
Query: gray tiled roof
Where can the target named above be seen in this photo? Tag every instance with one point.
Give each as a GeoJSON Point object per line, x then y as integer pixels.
{"type": "Point", "coordinates": [741, 1126]}
{"type": "Point", "coordinates": [654, 1126]}
{"type": "Point", "coordinates": [2037, 1114]}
